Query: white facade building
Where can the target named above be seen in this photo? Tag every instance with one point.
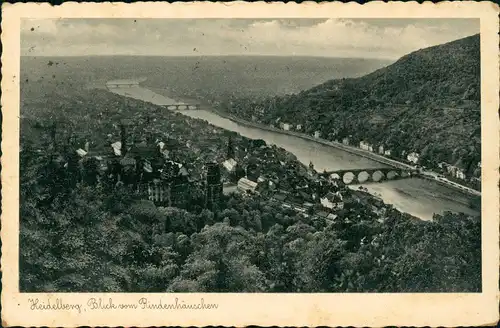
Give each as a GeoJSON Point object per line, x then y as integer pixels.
{"type": "Point", "coordinates": [81, 152]}
{"type": "Point", "coordinates": [229, 164]}
{"type": "Point", "coordinates": [332, 200]}
{"type": "Point", "coordinates": [117, 148]}
{"type": "Point", "coordinates": [413, 157]}
{"type": "Point", "coordinates": [365, 146]}
{"type": "Point", "coordinates": [460, 174]}
{"type": "Point", "coordinates": [245, 185]}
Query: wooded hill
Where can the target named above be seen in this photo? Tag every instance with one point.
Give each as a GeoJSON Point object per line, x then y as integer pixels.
{"type": "Point", "coordinates": [428, 101]}
{"type": "Point", "coordinates": [100, 237]}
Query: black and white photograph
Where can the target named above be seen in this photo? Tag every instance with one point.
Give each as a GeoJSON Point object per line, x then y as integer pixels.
{"type": "Point", "coordinates": [208, 164]}
{"type": "Point", "coordinates": [335, 155]}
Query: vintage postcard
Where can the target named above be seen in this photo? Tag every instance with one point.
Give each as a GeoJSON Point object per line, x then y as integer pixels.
{"type": "Point", "coordinates": [235, 164]}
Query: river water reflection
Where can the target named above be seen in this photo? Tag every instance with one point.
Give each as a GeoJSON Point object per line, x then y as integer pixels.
{"type": "Point", "coordinates": [419, 197]}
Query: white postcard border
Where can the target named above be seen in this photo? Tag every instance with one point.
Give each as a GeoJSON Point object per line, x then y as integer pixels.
{"type": "Point", "coordinates": [256, 309]}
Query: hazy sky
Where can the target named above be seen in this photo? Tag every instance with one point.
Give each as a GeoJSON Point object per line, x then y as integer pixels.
{"type": "Point", "coordinates": [375, 38]}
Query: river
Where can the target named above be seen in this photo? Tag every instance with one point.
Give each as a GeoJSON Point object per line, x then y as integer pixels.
{"type": "Point", "coordinates": [418, 197]}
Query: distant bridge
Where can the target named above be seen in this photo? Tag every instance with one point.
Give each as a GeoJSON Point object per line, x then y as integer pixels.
{"type": "Point", "coordinates": [182, 106]}
{"type": "Point", "coordinates": [359, 176]}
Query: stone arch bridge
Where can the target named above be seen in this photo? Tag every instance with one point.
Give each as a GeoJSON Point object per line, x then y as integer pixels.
{"type": "Point", "coordinates": [358, 176]}
{"type": "Point", "coordinates": [182, 106]}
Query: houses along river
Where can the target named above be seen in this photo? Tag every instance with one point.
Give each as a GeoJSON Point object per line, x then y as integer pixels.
{"type": "Point", "coordinates": [419, 197]}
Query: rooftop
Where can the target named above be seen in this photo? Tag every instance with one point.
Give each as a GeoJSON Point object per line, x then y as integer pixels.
{"type": "Point", "coordinates": [323, 214]}
{"type": "Point", "coordinates": [280, 197]}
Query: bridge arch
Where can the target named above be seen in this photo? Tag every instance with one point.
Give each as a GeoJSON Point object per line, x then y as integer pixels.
{"type": "Point", "coordinates": [405, 174]}
{"type": "Point", "coordinates": [391, 175]}
{"type": "Point", "coordinates": [363, 176]}
{"type": "Point", "coordinates": [356, 176]}
{"type": "Point", "coordinates": [378, 176]}
{"type": "Point", "coordinates": [182, 106]}
{"type": "Point", "coordinates": [348, 177]}
{"type": "Point", "coordinates": [334, 176]}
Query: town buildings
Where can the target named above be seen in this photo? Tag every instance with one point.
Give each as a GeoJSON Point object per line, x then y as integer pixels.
{"type": "Point", "coordinates": [245, 185]}
{"type": "Point", "coordinates": [453, 170]}
{"type": "Point", "coordinates": [285, 126]}
{"type": "Point", "coordinates": [117, 146]}
{"type": "Point", "coordinates": [230, 164]}
{"type": "Point", "coordinates": [81, 152]}
{"type": "Point", "coordinates": [332, 200]}
{"type": "Point", "coordinates": [365, 146]}
{"type": "Point", "coordinates": [159, 193]}
{"type": "Point", "coordinates": [413, 157]}
{"type": "Point", "coordinates": [460, 174]}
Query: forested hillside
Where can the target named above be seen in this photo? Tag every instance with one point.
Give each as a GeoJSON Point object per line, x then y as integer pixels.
{"type": "Point", "coordinates": [100, 237]}
{"type": "Point", "coordinates": [428, 102]}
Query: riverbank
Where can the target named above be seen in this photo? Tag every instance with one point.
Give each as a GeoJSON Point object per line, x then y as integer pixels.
{"type": "Point", "coordinates": [451, 184]}
{"type": "Point", "coordinates": [427, 175]}
{"type": "Point", "coordinates": [419, 197]}
{"type": "Point", "coordinates": [351, 150]}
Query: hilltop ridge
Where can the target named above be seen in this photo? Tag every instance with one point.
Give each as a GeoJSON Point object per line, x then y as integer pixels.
{"type": "Point", "coordinates": [426, 102]}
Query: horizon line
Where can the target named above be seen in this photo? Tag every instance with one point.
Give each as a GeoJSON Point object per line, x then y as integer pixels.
{"type": "Point", "coordinates": [222, 55]}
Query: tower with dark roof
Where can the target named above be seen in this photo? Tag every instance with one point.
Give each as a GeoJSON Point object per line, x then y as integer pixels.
{"type": "Point", "coordinates": [214, 187]}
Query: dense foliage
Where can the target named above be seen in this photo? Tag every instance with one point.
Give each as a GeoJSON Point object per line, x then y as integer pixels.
{"type": "Point", "coordinates": [427, 102]}
{"type": "Point", "coordinates": [76, 237]}
{"type": "Point", "coordinates": [91, 239]}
